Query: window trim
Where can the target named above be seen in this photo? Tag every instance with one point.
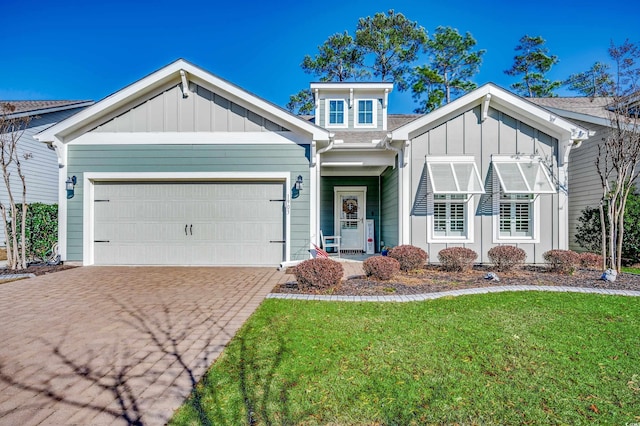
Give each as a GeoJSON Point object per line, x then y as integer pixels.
{"type": "Point", "coordinates": [374, 115]}
{"type": "Point", "coordinates": [345, 113]}
{"type": "Point", "coordinates": [534, 222]}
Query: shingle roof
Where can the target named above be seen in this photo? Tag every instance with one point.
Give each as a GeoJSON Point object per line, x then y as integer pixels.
{"type": "Point", "coordinates": [34, 106]}
{"type": "Point", "coordinates": [595, 107]}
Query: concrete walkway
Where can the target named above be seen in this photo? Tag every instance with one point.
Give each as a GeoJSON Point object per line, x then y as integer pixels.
{"type": "Point", "coordinates": [117, 345]}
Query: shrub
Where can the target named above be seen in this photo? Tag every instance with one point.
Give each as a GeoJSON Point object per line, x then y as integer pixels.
{"type": "Point", "coordinates": [562, 261]}
{"type": "Point", "coordinates": [320, 274]}
{"type": "Point", "coordinates": [381, 267]}
{"type": "Point", "coordinates": [590, 260]}
{"type": "Point", "coordinates": [457, 258]}
{"type": "Point", "coordinates": [410, 257]}
{"type": "Point", "coordinates": [505, 258]}
{"type": "Point", "coordinates": [41, 229]}
{"type": "Point", "coordinates": [588, 231]}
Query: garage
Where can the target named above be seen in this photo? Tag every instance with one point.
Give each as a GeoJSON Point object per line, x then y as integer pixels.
{"type": "Point", "coordinates": [189, 223]}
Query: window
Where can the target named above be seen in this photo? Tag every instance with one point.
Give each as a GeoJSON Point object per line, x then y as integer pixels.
{"type": "Point", "coordinates": [453, 181]}
{"type": "Point", "coordinates": [522, 181]}
{"type": "Point", "coordinates": [449, 215]}
{"type": "Point", "coordinates": [336, 112]}
{"type": "Point", "coordinates": [365, 112]}
{"type": "Point", "coordinates": [516, 215]}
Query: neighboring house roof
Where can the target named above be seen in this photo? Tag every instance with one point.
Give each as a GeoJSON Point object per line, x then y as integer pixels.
{"type": "Point", "coordinates": [590, 110]}
{"type": "Point", "coordinates": [31, 107]}
{"type": "Point", "coordinates": [490, 95]}
{"type": "Point", "coordinates": [184, 71]}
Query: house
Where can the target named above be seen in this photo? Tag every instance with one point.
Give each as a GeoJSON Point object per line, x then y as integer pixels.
{"type": "Point", "coordinates": [38, 161]}
{"type": "Point", "coordinates": [584, 180]}
{"type": "Point", "coordinates": [185, 168]}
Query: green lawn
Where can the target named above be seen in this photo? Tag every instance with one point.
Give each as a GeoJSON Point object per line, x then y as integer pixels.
{"type": "Point", "coordinates": [630, 270]}
{"type": "Point", "coordinates": [507, 358]}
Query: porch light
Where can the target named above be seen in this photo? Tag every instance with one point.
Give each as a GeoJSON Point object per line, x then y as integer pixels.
{"type": "Point", "coordinates": [299, 183]}
{"type": "Point", "coordinates": [71, 183]}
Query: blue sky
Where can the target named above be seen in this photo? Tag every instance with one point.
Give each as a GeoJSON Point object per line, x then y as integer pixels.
{"type": "Point", "coordinates": [90, 49]}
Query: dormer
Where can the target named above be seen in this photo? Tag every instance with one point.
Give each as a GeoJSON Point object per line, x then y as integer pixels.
{"type": "Point", "coordinates": [351, 106]}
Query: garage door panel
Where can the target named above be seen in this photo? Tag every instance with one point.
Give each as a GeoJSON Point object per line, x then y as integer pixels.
{"type": "Point", "coordinates": [226, 223]}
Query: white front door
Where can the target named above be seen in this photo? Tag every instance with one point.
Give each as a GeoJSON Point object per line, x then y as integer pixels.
{"type": "Point", "coordinates": [350, 208]}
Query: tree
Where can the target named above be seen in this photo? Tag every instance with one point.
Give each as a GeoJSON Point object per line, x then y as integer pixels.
{"type": "Point", "coordinates": [619, 152]}
{"type": "Point", "coordinates": [301, 103]}
{"type": "Point", "coordinates": [393, 41]}
{"type": "Point", "coordinates": [339, 59]}
{"type": "Point", "coordinates": [532, 65]}
{"type": "Point", "coordinates": [597, 81]}
{"type": "Point", "coordinates": [452, 63]}
{"type": "Point", "coordinates": [11, 129]}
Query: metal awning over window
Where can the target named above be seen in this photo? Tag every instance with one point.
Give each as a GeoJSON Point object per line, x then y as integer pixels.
{"type": "Point", "coordinates": [454, 175]}
{"type": "Point", "coordinates": [523, 176]}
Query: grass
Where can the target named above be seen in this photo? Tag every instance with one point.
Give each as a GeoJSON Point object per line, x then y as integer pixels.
{"type": "Point", "coordinates": [630, 270]}
{"type": "Point", "coordinates": [507, 358]}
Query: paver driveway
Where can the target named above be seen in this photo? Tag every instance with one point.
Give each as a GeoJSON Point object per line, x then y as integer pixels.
{"type": "Point", "coordinates": [117, 345]}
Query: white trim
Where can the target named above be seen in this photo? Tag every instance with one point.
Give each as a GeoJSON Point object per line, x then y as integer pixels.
{"type": "Point", "coordinates": [501, 99]}
{"type": "Point", "coordinates": [470, 207]}
{"type": "Point", "coordinates": [404, 204]}
{"type": "Point", "coordinates": [350, 84]}
{"type": "Point", "coordinates": [195, 138]}
{"type": "Point", "coordinates": [327, 112]}
{"type": "Point", "coordinates": [336, 215]}
{"type": "Point", "coordinates": [535, 223]}
{"type": "Point", "coordinates": [165, 76]}
{"type": "Point", "coordinates": [374, 114]}
{"type": "Point", "coordinates": [91, 177]}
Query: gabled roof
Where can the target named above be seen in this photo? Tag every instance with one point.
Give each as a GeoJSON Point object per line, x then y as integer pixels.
{"type": "Point", "coordinates": [113, 103]}
{"type": "Point", "coordinates": [36, 107]}
{"type": "Point", "coordinates": [503, 100]}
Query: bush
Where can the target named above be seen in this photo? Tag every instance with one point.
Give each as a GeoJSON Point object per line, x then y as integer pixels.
{"type": "Point", "coordinates": [381, 267]}
{"type": "Point", "coordinates": [41, 229]}
{"type": "Point", "coordinates": [505, 258]}
{"type": "Point", "coordinates": [458, 259]}
{"type": "Point", "coordinates": [588, 232]}
{"type": "Point", "coordinates": [320, 274]}
{"type": "Point", "coordinates": [590, 260]}
{"type": "Point", "coordinates": [410, 257]}
{"type": "Point", "coordinates": [562, 261]}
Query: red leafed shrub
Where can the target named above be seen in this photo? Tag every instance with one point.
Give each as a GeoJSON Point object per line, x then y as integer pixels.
{"type": "Point", "coordinates": [381, 267]}
{"type": "Point", "coordinates": [458, 259]}
{"type": "Point", "coordinates": [590, 260]}
{"type": "Point", "coordinates": [505, 258]}
{"type": "Point", "coordinates": [410, 257]}
{"type": "Point", "coordinates": [562, 261]}
{"type": "Point", "coordinates": [319, 274]}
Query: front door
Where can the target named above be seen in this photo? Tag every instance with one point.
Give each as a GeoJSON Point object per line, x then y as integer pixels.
{"type": "Point", "coordinates": [350, 211]}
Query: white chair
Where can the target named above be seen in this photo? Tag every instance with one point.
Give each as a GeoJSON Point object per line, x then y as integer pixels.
{"type": "Point", "coordinates": [330, 241]}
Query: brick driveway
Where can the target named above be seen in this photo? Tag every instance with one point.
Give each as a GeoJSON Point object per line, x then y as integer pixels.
{"type": "Point", "coordinates": [117, 345]}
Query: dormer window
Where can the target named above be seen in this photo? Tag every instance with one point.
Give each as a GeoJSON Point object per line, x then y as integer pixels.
{"type": "Point", "coordinates": [365, 113]}
{"type": "Point", "coordinates": [336, 112]}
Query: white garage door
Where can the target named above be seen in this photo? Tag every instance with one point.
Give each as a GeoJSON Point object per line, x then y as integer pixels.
{"type": "Point", "coordinates": [230, 223]}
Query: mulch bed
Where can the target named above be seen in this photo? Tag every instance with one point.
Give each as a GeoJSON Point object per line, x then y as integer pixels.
{"type": "Point", "coordinates": [433, 280]}
{"type": "Point", "coordinates": [36, 269]}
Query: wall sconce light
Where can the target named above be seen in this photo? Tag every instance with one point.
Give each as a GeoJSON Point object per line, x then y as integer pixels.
{"type": "Point", "coordinates": [299, 183]}
{"type": "Point", "coordinates": [71, 183]}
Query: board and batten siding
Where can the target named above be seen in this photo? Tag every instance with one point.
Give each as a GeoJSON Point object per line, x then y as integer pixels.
{"type": "Point", "coordinates": [186, 158]}
{"type": "Point", "coordinates": [41, 167]}
{"type": "Point", "coordinates": [467, 135]}
{"type": "Point", "coordinates": [201, 111]}
{"type": "Point", "coordinates": [585, 188]}
{"type": "Point", "coordinates": [389, 221]}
